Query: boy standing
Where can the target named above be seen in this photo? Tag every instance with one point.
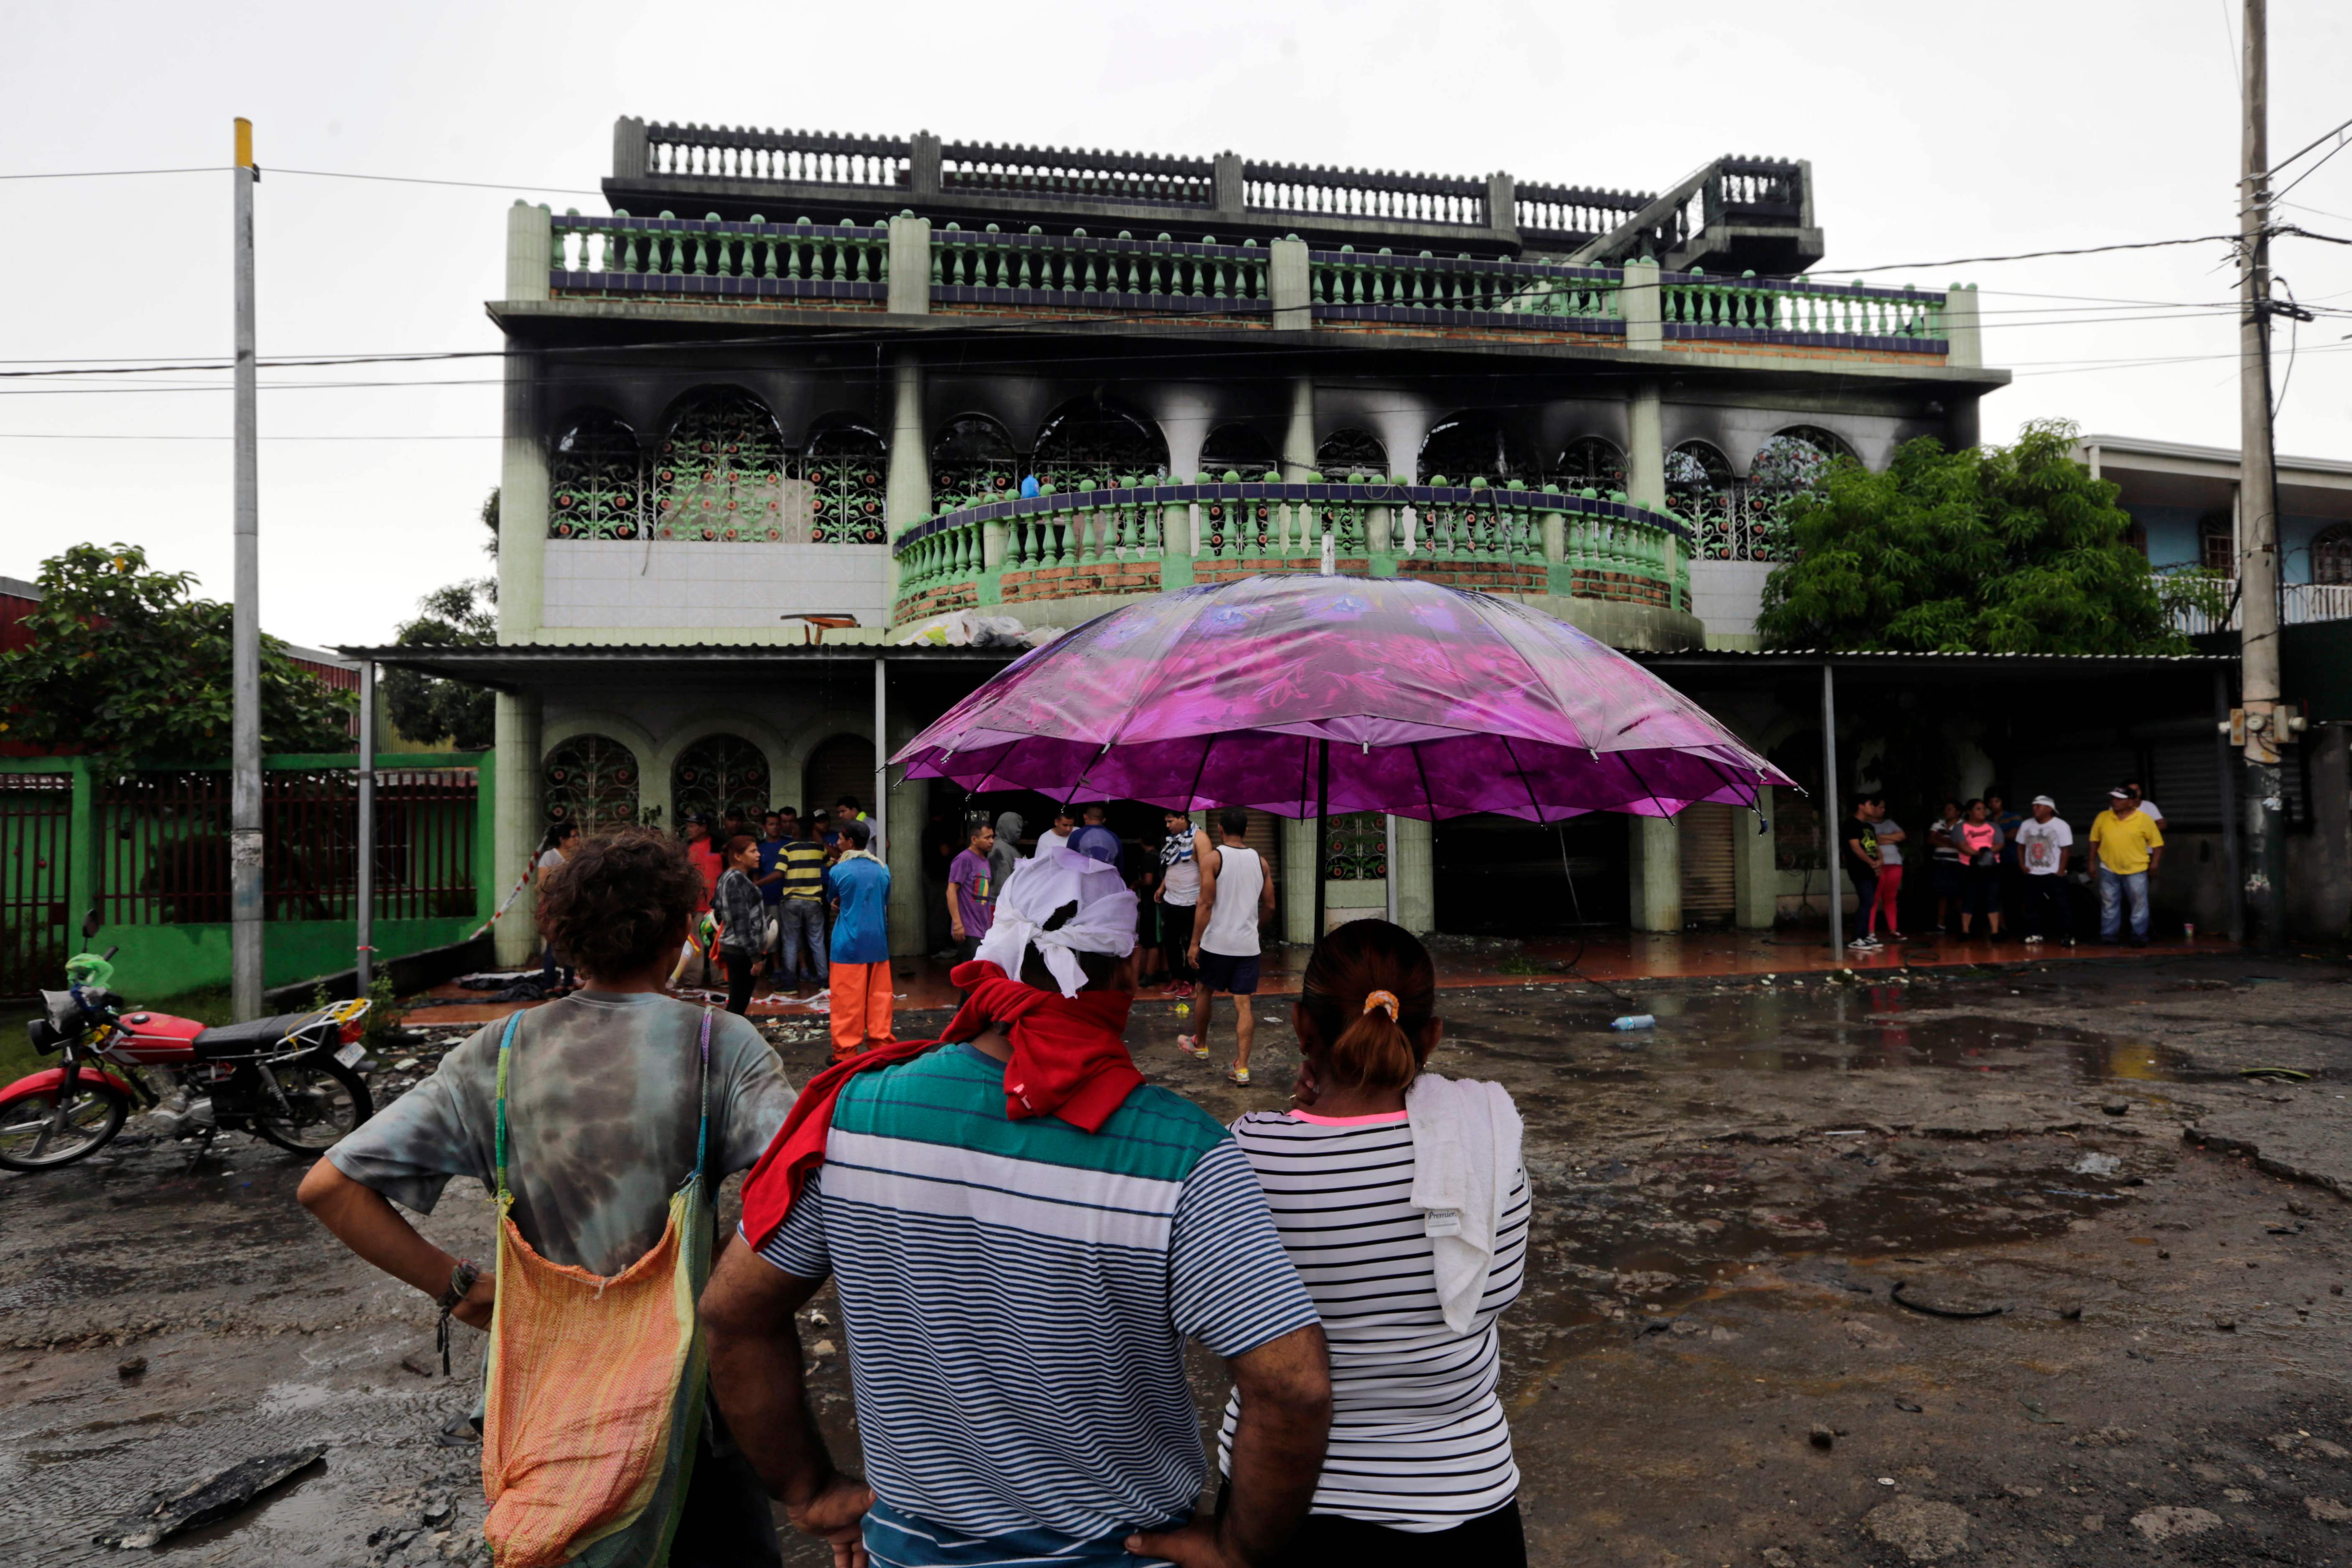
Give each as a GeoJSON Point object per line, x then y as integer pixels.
{"type": "Point", "coordinates": [972, 891]}
{"type": "Point", "coordinates": [1236, 897]}
{"type": "Point", "coordinates": [1180, 896]}
{"type": "Point", "coordinates": [1860, 849]}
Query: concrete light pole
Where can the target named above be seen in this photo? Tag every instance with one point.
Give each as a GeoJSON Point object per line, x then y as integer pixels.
{"type": "Point", "coordinates": [245, 733]}
{"type": "Point", "coordinates": [2258, 561]}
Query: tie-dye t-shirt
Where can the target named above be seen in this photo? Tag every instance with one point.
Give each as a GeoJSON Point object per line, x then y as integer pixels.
{"type": "Point", "coordinates": [601, 1102]}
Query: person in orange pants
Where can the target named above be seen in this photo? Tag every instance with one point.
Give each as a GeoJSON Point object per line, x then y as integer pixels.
{"type": "Point", "coordinates": [861, 946]}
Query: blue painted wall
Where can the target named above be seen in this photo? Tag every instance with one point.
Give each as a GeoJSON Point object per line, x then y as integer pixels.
{"type": "Point", "coordinates": [2172, 538]}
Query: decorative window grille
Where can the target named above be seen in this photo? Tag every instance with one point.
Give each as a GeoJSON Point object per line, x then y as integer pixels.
{"type": "Point", "coordinates": [972, 461]}
{"type": "Point", "coordinates": [590, 779]}
{"type": "Point", "coordinates": [2217, 548]}
{"type": "Point", "coordinates": [719, 473]}
{"type": "Point", "coordinates": [2331, 555]}
{"type": "Point", "coordinates": [1589, 462]}
{"type": "Point", "coordinates": [716, 772]}
{"type": "Point", "coordinates": [847, 475]}
{"type": "Point", "coordinates": [1346, 452]}
{"type": "Point", "coordinates": [1356, 847]}
{"type": "Point", "coordinates": [1237, 449]}
{"type": "Point", "coordinates": [1101, 441]}
{"type": "Point", "coordinates": [1476, 445]}
{"type": "Point", "coordinates": [596, 484]}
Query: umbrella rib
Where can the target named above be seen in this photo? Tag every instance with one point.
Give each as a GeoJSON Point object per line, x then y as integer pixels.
{"type": "Point", "coordinates": [1201, 772]}
{"type": "Point", "coordinates": [1627, 759]}
{"type": "Point", "coordinates": [1525, 782]}
{"type": "Point", "coordinates": [1427, 797]}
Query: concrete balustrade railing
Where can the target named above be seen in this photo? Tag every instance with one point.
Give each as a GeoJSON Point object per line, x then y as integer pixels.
{"type": "Point", "coordinates": [680, 257]}
{"type": "Point", "coordinates": [1145, 534]}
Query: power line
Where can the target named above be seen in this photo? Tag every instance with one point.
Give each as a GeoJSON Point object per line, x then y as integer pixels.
{"type": "Point", "coordinates": [115, 173]}
{"type": "Point", "coordinates": [423, 179]}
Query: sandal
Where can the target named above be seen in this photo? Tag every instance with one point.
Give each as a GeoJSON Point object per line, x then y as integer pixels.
{"type": "Point", "coordinates": [1238, 1075]}
{"type": "Point", "coordinates": [1191, 1047]}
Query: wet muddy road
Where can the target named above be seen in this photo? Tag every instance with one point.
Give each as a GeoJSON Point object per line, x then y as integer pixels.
{"type": "Point", "coordinates": [1739, 1343]}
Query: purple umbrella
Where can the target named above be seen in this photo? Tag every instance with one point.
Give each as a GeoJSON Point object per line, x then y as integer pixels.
{"type": "Point", "coordinates": [1309, 695]}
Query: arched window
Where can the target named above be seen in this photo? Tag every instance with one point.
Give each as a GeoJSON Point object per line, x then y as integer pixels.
{"type": "Point", "coordinates": [1588, 462]}
{"type": "Point", "coordinates": [1796, 459]}
{"type": "Point", "coordinates": [845, 468]}
{"type": "Point", "coordinates": [1100, 441]}
{"type": "Point", "coordinates": [2331, 554]}
{"type": "Point", "coordinates": [591, 779]}
{"type": "Point", "coordinates": [1237, 449]}
{"type": "Point", "coordinates": [1475, 445]}
{"type": "Point", "coordinates": [716, 772]}
{"type": "Point", "coordinates": [1701, 490]}
{"type": "Point", "coordinates": [971, 460]}
{"type": "Point", "coordinates": [1346, 452]}
{"type": "Point", "coordinates": [594, 480]}
{"type": "Point", "coordinates": [720, 472]}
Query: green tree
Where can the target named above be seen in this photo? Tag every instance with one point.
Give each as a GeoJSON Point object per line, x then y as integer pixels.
{"type": "Point", "coordinates": [2011, 550]}
{"type": "Point", "coordinates": [427, 708]}
{"type": "Point", "coordinates": [128, 665]}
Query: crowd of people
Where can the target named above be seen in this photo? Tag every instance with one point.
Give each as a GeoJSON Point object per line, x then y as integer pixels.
{"type": "Point", "coordinates": [1022, 1234]}
{"type": "Point", "coordinates": [1997, 873]}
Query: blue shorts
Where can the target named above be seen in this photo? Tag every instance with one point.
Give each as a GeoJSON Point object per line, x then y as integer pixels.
{"type": "Point", "coordinates": [1234, 975]}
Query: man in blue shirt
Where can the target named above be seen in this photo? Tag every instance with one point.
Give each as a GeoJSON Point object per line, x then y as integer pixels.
{"type": "Point", "coordinates": [861, 945]}
{"type": "Point", "coordinates": [1095, 840]}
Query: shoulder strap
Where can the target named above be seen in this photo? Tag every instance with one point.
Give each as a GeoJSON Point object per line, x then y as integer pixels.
{"type": "Point", "coordinates": [506, 1049]}
{"type": "Point", "coordinates": [702, 1128]}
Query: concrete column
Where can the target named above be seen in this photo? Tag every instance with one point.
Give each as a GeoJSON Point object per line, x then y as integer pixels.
{"type": "Point", "coordinates": [1639, 303]}
{"type": "Point", "coordinates": [529, 246]}
{"type": "Point", "coordinates": [516, 934]}
{"type": "Point", "coordinates": [1288, 281]}
{"type": "Point", "coordinates": [1962, 329]}
{"type": "Point", "coordinates": [907, 496]}
{"type": "Point", "coordinates": [628, 148]}
{"type": "Point", "coordinates": [523, 503]}
{"type": "Point", "coordinates": [1403, 424]}
{"type": "Point", "coordinates": [1645, 447]}
{"type": "Point", "coordinates": [1300, 835]}
{"type": "Point", "coordinates": [923, 164]}
{"type": "Point", "coordinates": [1503, 207]}
{"type": "Point", "coordinates": [909, 920]}
{"type": "Point", "coordinates": [911, 264]}
{"type": "Point", "coordinates": [1415, 870]}
{"type": "Point", "coordinates": [1230, 194]}
{"type": "Point", "coordinates": [1755, 877]}
{"type": "Point", "coordinates": [1299, 436]}
{"type": "Point", "coordinates": [1656, 871]}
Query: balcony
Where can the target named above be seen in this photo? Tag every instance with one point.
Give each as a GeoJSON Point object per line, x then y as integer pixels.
{"type": "Point", "coordinates": [988, 271]}
{"type": "Point", "coordinates": [2300, 604]}
{"type": "Point", "coordinates": [1141, 536]}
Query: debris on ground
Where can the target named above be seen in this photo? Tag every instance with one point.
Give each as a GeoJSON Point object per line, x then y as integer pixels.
{"type": "Point", "coordinates": [206, 1501]}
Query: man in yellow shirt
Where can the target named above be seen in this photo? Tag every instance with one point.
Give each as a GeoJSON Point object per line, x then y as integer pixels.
{"type": "Point", "coordinates": [2129, 847]}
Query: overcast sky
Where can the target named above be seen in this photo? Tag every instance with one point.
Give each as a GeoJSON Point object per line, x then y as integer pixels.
{"type": "Point", "coordinates": [1935, 132]}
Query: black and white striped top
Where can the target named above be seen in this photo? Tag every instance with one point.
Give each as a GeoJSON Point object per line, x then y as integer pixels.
{"type": "Point", "coordinates": [1418, 1438]}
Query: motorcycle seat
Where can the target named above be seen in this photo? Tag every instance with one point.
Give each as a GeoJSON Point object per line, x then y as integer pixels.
{"type": "Point", "coordinates": [244, 1039]}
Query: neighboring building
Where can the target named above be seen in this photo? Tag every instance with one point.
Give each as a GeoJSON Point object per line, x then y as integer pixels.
{"type": "Point", "coordinates": [2184, 506]}
{"type": "Point", "coordinates": [819, 393]}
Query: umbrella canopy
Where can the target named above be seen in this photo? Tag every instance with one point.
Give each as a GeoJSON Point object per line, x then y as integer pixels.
{"type": "Point", "coordinates": [1307, 695]}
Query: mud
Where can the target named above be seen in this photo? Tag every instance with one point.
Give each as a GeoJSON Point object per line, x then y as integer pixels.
{"type": "Point", "coordinates": [1725, 1205]}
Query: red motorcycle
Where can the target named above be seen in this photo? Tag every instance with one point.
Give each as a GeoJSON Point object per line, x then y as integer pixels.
{"type": "Point", "coordinates": [290, 1079]}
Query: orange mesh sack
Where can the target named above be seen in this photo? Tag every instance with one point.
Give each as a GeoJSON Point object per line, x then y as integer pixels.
{"type": "Point", "coordinates": [594, 1387]}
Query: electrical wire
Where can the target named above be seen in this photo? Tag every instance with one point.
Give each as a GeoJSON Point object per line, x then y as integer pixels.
{"type": "Point", "coordinates": [116, 173]}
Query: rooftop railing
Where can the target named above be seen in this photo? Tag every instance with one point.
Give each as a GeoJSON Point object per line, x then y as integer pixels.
{"type": "Point", "coordinates": [687, 257]}
{"type": "Point", "coordinates": [1346, 285]}
{"type": "Point", "coordinates": [989, 268]}
{"type": "Point", "coordinates": [1805, 314]}
{"type": "Point", "coordinates": [779, 157]}
{"type": "Point", "coordinates": [1548, 540]}
{"type": "Point", "coordinates": [1055, 172]}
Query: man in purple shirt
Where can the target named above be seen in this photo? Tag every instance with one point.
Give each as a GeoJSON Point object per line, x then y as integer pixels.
{"type": "Point", "coordinates": [972, 891]}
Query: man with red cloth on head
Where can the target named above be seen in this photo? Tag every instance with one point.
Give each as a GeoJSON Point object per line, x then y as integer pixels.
{"type": "Point", "coordinates": [1022, 1233]}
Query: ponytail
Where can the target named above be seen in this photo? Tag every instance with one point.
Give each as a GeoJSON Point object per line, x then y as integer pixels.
{"type": "Point", "coordinates": [1369, 990]}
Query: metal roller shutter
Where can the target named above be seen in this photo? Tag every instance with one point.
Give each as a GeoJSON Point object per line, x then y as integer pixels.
{"type": "Point", "coordinates": [1708, 855]}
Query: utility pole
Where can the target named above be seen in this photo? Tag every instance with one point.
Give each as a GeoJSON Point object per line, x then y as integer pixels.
{"type": "Point", "coordinates": [2258, 561]}
{"type": "Point", "coordinates": [365, 970]}
{"type": "Point", "coordinates": [244, 742]}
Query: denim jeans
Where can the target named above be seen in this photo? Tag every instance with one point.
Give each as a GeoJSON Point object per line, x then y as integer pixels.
{"type": "Point", "coordinates": [799, 920]}
{"type": "Point", "coordinates": [2114, 888]}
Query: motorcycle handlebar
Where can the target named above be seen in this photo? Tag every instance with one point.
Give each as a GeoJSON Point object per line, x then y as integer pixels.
{"type": "Point", "coordinates": [110, 952]}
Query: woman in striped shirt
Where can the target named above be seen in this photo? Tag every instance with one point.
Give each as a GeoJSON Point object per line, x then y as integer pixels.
{"type": "Point", "coordinates": [1419, 1458]}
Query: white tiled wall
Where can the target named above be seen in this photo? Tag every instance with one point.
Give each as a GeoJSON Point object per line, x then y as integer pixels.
{"type": "Point", "coordinates": [627, 583]}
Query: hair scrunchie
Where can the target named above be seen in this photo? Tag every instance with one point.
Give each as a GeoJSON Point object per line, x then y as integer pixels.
{"type": "Point", "coordinates": [1385, 1000]}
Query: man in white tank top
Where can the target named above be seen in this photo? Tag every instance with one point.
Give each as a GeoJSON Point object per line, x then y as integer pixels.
{"type": "Point", "coordinates": [1236, 897]}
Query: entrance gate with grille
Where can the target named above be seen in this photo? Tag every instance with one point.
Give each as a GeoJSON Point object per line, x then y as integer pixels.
{"type": "Point", "coordinates": [36, 860]}
{"type": "Point", "coordinates": [1709, 856]}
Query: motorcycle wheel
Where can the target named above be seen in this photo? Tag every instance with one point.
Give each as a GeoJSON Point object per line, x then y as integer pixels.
{"type": "Point", "coordinates": [30, 1139]}
{"type": "Point", "coordinates": [328, 1100]}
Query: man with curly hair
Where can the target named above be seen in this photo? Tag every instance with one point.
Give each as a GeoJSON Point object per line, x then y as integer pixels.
{"type": "Point", "coordinates": [602, 1097]}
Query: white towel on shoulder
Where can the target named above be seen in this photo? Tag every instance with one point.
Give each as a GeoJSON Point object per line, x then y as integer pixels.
{"type": "Point", "coordinates": [1466, 1158]}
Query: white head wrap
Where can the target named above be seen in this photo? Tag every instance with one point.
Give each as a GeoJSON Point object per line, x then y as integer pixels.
{"type": "Point", "coordinates": [1104, 920]}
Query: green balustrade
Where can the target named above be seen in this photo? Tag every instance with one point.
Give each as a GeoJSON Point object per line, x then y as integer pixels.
{"type": "Point", "coordinates": [615, 251]}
